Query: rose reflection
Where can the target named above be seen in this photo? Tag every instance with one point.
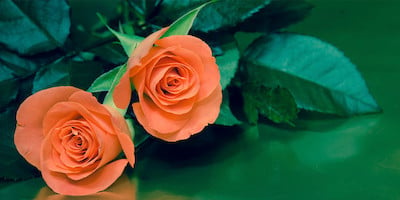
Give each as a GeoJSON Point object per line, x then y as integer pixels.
{"type": "Point", "coordinates": [122, 189]}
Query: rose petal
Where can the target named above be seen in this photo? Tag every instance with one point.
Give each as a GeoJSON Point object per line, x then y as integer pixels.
{"type": "Point", "coordinates": [98, 181]}
{"type": "Point", "coordinates": [210, 77]}
{"type": "Point", "coordinates": [72, 110]}
{"type": "Point", "coordinates": [87, 100]}
{"type": "Point", "coordinates": [28, 134]}
{"type": "Point", "coordinates": [160, 121]}
{"type": "Point", "coordinates": [122, 92]}
{"type": "Point", "coordinates": [143, 49]}
{"type": "Point", "coordinates": [124, 135]}
{"type": "Point", "coordinates": [187, 42]}
{"type": "Point", "coordinates": [204, 112]}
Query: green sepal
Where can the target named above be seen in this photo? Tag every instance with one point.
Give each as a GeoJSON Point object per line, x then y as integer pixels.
{"type": "Point", "coordinates": [128, 42]}
{"type": "Point", "coordinates": [182, 25]}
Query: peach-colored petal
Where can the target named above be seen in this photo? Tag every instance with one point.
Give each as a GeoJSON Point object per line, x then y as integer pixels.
{"type": "Point", "coordinates": [52, 161]}
{"type": "Point", "coordinates": [208, 72]}
{"type": "Point", "coordinates": [127, 147]}
{"type": "Point", "coordinates": [98, 181]}
{"type": "Point", "coordinates": [203, 113]}
{"type": "Point", "coordinates": [109, 146]}
{"type": "Point", "coordinates": [122, 92]}
{"type": "Point", "coordinates": [72, 110]}
{"type": "Point", "coordinates": [124, 135]}
{"type": "Point", "coordinates": [87, 100]}
{"type": "Point", "coordinates": [143, 49]}
{"type": "Point", "coordinates": [187, 42]}
{"type": "Point", "coordinates": [28, 141]}
{"type": "Point", "coordinates": [28, 133]}
{"type": "Point", "coordinates": [158, 119]}
{"type": "Point", "coordinates": [210, 75]}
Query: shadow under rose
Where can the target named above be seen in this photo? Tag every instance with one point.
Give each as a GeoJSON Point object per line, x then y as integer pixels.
{"type": "Point", "coordinates": [122, 189]}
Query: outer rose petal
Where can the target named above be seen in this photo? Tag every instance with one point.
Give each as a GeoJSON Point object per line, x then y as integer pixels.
{"type": "Point", "coordinates": [122, 92]}
{"type": "Point", "coordinates": [124, 135]}
{"type": "Point", "coordinates": [28, 134]}
{"type": "Point", "coordinates": [98, 181]}
{"type": "Point", "coordinates": [204, 112]}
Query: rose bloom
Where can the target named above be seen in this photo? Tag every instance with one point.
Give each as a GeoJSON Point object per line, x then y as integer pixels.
{"type": "Point", "coordinates": [178, 85]}
{"type": "Point", "coordinates": [73, 140]}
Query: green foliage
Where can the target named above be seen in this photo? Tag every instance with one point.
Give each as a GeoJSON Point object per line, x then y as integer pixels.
{"type": "Point", "coordinates": [9, 87]}
{"type": "Point", "coordinates": [227, 13]}
{"type": "Point", "coordinates": [53, 75]}
{"type": "Point", "coordinates": [318, 75]}
{"type": "Point", "coordinates": [228, 63]}
{"type": "Point", "coordinates": [226, 117]}
{"type": "Point", "coordinates": [15, 64]}
{"type": "Point", "coordinates": [214, 17]}
{"type": "Point", "coordinates": [128, 41]}
{"type": "Point", "coordinates": [107, 80]}
{"type": "Point", "coordinates": [30, 27]}
{"type": "Point", "coordinates": [277, 104]}
{"type": "Point", "coordinates": [182, 25]}
{"type": "Point", "coordinates": [66, 72]}
{"type": "Point", "coordinates": [277, 15]}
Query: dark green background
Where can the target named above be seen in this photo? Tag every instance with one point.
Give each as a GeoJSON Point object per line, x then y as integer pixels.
{"type": "Point", "coordinates": [322, 158]}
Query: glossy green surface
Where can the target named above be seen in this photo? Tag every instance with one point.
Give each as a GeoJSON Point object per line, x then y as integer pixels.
{"type": "Point", "coordinates": [322, 158]}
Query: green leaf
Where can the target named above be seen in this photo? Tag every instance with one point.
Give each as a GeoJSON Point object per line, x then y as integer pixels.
{"type": "Point", "coordinates": [280, 106]}
{"type": "Point", "coordinates": [228, 63]}
{"type": "Point", "coordinates": [226, 117]}
{"type": "Point", "coordinates": [107, 80]}
{"type": "Point", "coordinates": [277, 104]}
{"type": "Point", "coordinates": [56, 74]}
{"type": "Point", "coordinates": [19, 66]}
{"type": "Point", "coordinates": [214, 17]}
{"type": "Point", "coordinates": [182, 25]}
{"type": "Point", "coordinates": [277, 15]}
{"type": "Point", "coordinates": [317, 74]}
{"type": "Point", "coordinates": [227, 13]}
{"type": "Point", "coordinates": [249, 108]}
{"type": "Point", "coordinates": [30, 27]}
{"type": "Point", "coordinates": [67, 72]}
{"type": "Point", "coordinates": [8, 87]}
{"type": "Point", "coordinates": [128, 42]}
{"type": "Point", "coordinates": [244, 39]}
{"type": "Point", "coordinates": [82, 74]}
{"type": "Point", "coordinates": [109, 53]}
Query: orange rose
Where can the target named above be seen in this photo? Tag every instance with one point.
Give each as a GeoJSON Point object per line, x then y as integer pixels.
{"type": "Point", "coordinates": [73, 140]}
{"type": "Point", "coordinates": [178, 85]}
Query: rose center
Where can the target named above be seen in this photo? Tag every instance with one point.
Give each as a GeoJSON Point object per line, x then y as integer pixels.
{"type": "Point", "coordinates": [173, 81]}
{"type": "Point", "coordinates": [75, 145]}
{"type": "Point", "coordinates": [75, 142]}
